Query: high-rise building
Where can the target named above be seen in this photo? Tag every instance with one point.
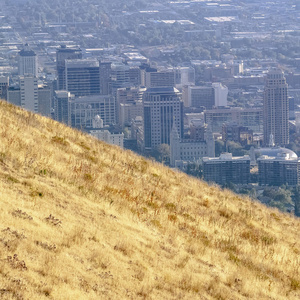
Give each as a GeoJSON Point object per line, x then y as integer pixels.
{"type": "Point", "coordinates": [82, 111]}
{"type": "Point", "coordinates": [162, 106]}
{"type": "Point", "coordinates": [62, 54]}
{"type": "Point", "coordinates": [29, 92]}
{"type": "Point", "coordinates": [105, 71]}
{"type": "Point", "coordinates": [200, 96]}
{"type": "Point", "coordinates": [119, 76]}
{"type": "Point", "coordinates": [205, 96]}
{"type": "Point", "coordinates": [28, 63]}
{"type": "Point", "coordinates": [30, 95]}
{"type": "Point", "coordinates": [184, 76]}
{"type": "Point", "coordinates": [44, 100]}
{"type": "Point", "coordinates": [61, 106]}
{"type": "Point", "coordinates": [276, 108]}
{"type": "Point", "coordinates": [247, 117]}
{"type": "Point", "coordinates": [129, 104]}
{"type": "Point", "coordinates": [82, 76]}
{"type": "Point", "coordinates": [150, 77]}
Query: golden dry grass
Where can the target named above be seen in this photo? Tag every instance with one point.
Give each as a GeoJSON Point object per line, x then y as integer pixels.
{"type": "Point", "coordinates": [80, 219]}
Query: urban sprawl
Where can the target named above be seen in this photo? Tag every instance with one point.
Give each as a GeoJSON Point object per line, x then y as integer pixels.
{"type": "Point", "coordinates": [208, 87]}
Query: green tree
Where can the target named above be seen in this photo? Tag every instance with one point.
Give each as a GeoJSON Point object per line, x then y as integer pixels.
{"type": "Point", "coordinates": [296, 199]}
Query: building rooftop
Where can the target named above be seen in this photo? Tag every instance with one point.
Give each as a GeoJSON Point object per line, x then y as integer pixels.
{"type": "Point", "coordinates": [276, 152]}
{"type": "Point", "coordinates": [26, 51]}
{"type": "Point", "coordinates": [226, 157]}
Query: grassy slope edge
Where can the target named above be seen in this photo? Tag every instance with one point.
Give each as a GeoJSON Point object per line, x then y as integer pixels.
{"type": "Point", "coordinates": [80, 219]}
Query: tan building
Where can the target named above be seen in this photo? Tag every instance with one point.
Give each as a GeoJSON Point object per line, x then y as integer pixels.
{"type": "Point", "coordinates": [276, 108]}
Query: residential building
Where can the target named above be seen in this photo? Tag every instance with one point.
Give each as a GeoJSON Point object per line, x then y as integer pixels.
{"type": "Point", "coordinates": [227, 169]}
{"type": "Point", "coordinates": [278, 170]}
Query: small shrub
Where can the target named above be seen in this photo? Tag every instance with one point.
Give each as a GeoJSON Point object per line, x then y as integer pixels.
{"type": "Point", "coordinates": [295, 284]}
{"type": "Point", "coordinates": [170, 206]}
{"type": "Point", "coordinates": [12, 179]}
{"type": "Point", "coordinates": [172, 218]}
{"type": "Point", "coordinates": [21, 214]}
{"type": "Point", "coordinates": [53, 221]}
{"type": "Point", "coordinates": [59, 140]}
{"type": "Point", "coordinates": [156, 223]}
{"type": "Point", "coordinates": [15, 263]}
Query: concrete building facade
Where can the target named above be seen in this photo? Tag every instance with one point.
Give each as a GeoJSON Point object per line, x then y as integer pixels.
{"type": "Point", "coordinates": [276, 108]}
{"type": "Point", "coordinates": [28, 62]}
{"type": "Point", "coordinates": [227, 169]}
{"type": "Point", "coordinates": [161, 107]}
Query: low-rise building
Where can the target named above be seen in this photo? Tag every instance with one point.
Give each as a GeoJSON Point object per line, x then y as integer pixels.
{"type": "Point", "coordinates": [278, 170]}
{"type": "Point", "coordinates": [227, 169]}
{"type": "Point", "coordinates": [104, 134]}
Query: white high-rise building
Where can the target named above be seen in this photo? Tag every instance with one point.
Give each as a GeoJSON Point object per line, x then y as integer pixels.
{"type": "Point", "coordinates": [28, 63]}
{"type": "Point", "coordinates": [29, 92]}
{"type": "Point", "coordinates": [221, 93]}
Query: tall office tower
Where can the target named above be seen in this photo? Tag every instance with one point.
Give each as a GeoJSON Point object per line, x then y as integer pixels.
{"type": "Point", "coordinates": [61, 106]}
{"type": "Point", "coordinates": [184, 76]}
{"type": "Point", "coordinates": [276, 108]}
{"type": "Point", "coordinates": [162, 106]}
{"type": "Point", "coordinates": [44, 100]}
{"type": "Point", "coordinates": [221, 93]}
{"type": "Point", "coordinates": [205, 96]}
{"type": "Point", "coordinates": [153, 78]}
{"type": "Point", "coordinates": [28, 63]}
{"type": "Point", "coordinates": [119, 76]}
{"type": "Point", "coordinates": [62, 54]}
{"type": "Point", "coordinates": [105, 71]}
{"type": "Point", "coordinates": [82, 76]}
{"type": "Point", "coordinates": [200, 96]}
{"type": "Point", "coordinates": [29, 92]}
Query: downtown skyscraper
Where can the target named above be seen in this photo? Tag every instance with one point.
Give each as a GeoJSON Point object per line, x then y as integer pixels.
{"type": "Point", "coordinates": [162, 106]}
{"type": "Point", "coordinates": [276, 109]}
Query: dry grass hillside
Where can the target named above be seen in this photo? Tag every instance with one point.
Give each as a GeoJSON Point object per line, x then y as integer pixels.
{"type": "Point", "coordinates": [80, 219]}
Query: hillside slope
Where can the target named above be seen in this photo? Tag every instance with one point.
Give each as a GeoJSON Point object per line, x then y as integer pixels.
{"type": "Point", "coordinates": [80, 219]}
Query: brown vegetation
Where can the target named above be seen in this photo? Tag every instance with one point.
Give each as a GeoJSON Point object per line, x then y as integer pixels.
{"type": "Point", "coordinates": [80, 219]}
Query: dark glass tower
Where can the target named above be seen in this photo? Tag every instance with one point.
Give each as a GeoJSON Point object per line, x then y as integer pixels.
{"type": "Point", "coordinates": [62, 54]}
